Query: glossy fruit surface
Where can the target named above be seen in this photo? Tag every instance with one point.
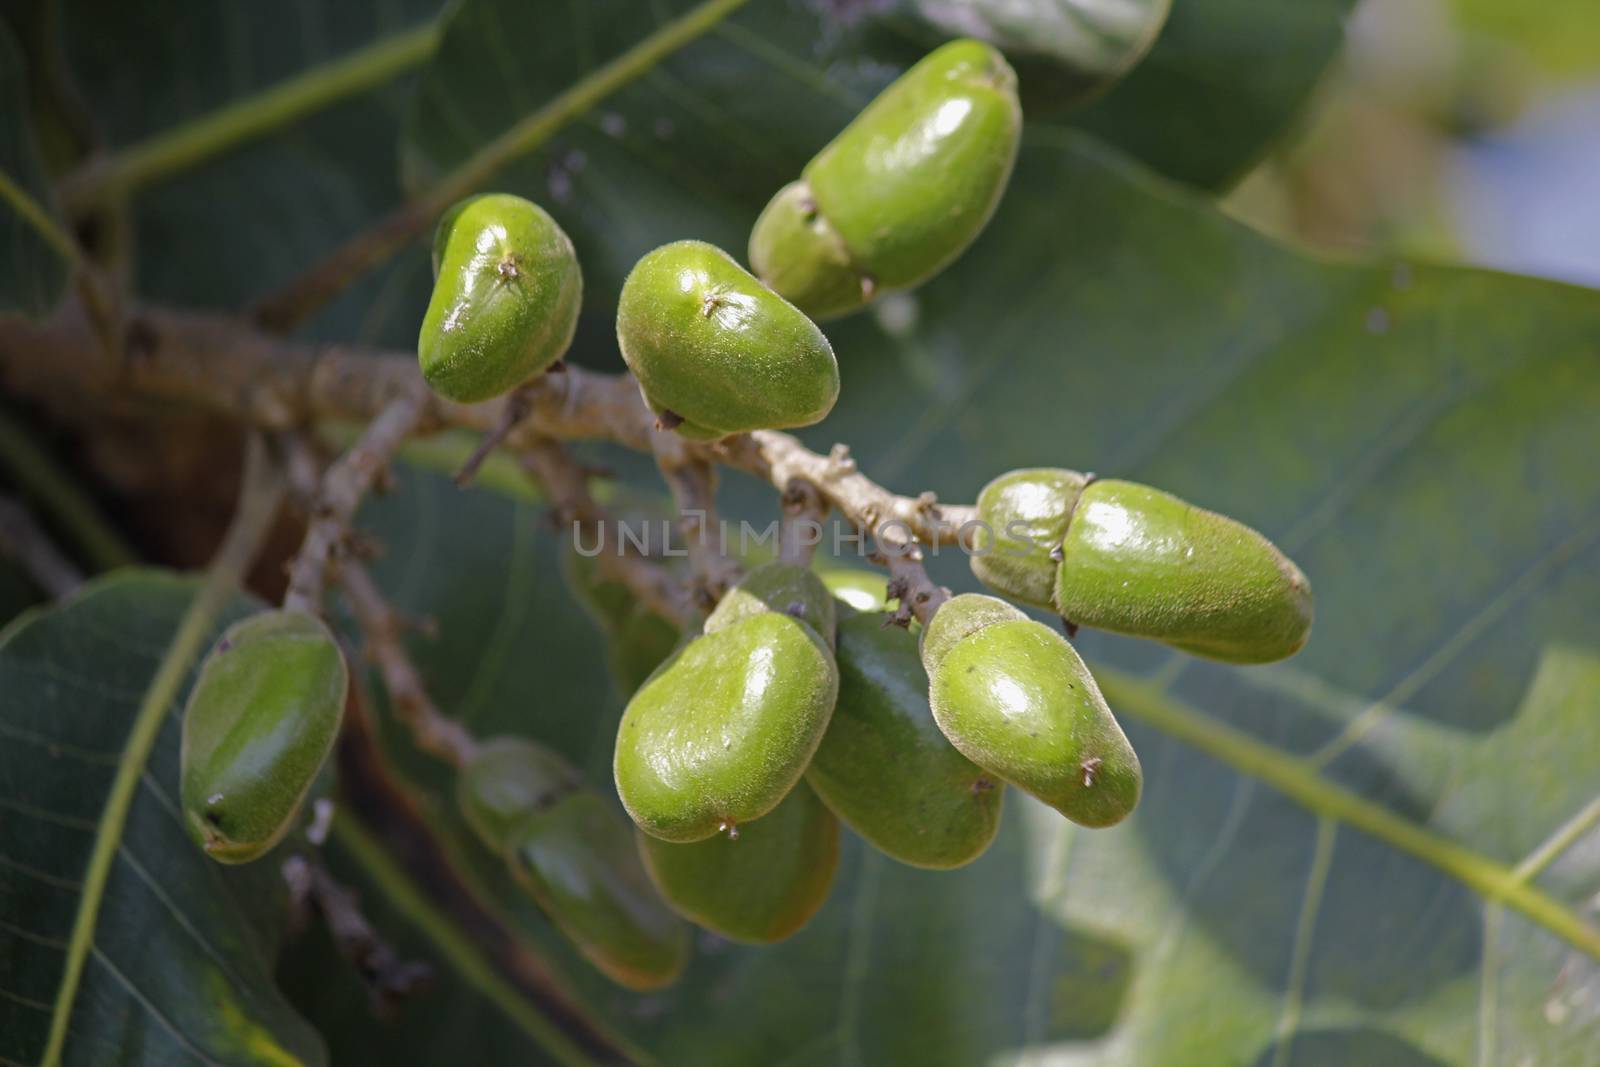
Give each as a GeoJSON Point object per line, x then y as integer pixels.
{"type": "Point", "coordinates": [509, 778]}
{"type": "Point", "coordinates": [506, 295]}
{"type": "Point", "coordinates": [904, 189]}
{"type": "Point", "coordinates": [884, 766]}
{"type": "Point", "coordinates": [862, 590]}
{"type": "Point", "coordinates": [782, 587]}
{"type": "Point", "coordinates": [1142, 562]}
{"type": "Point", "coordinates": [795, 250]}
{"type": "Point", "coordinates": [578, 861]}
{"type": "Point", "coordinates": [716, 348]}
{"type": "Point", "coordinates": [1015, 698]}
{"type": "Point", "coordinates": [1068, 51]}
{"type": "Point", "coordinates": [1024, 515]}
{"type": "Point", "coordinates": [761, 886]}
{"type": "Point", "coordinates": [724, 729]}
{"type": "Point", "coordinates": [259, 724]}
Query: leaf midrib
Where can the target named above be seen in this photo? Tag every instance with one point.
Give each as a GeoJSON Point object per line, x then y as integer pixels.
{"type": "Point", "coordinates": [1297, 778]}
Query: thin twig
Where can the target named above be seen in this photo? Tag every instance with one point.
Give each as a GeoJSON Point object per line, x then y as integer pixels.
{"type": "Point", "coordinates": [431, 729]}
{"type": "Point", "coordinates": [24, 540]}
{"type": "Point", "coordinates": [390, 980]}
{"type": "Point", "coordinates": [566, 487]}
{"type": "Point", "coordinates": [800, 527]}
{"type": "Point", "coordinates": [517, 405]}
{"type": "Point", "coordinates": [693, 482]}
{"type": "Point", "coordinates": [384, 628]}
{"type": "Point", "coordinates": [343, 486]}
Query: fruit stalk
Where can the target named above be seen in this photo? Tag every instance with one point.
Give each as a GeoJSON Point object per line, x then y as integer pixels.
{"type": "Point", "coordinates": [336, 500]}
{"type": "Point", "coordinates": [431, 729]}
{"type": "Point", "coordinates": [693, 482]}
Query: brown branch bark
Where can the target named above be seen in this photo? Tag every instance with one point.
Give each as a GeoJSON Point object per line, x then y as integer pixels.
{"type": "Point", "coordinates": [343, 486]}
{"type": "Point", "coordinates": [223, 365]}
{"type": "Point", "coordinates": [566, 486]}
{"type": "Point", "coordinates": [431, 729]}
{"type": "Point", "coordinates": [389, 978]}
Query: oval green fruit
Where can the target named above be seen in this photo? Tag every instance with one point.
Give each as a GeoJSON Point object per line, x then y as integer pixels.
{"type": "Point", "coordinates": [506, 295]}
{"type": "Point", "coordinates": [714, 347]}
{"type": "Point", "coordinates": [902, 191]}
{"type": "Point", "coordinates": [782, 587]}
{"type": "Point", "coordinates": [1139, 561]}
{"type": "Point", "coordinates": [260, 722]}
{"type": "Point", "coordinates": [795, 250]}
{"type": "Point", "coordinates": [1015, 698]}
{"type": "Point", "coordinates": [1024, 515]}
{"type": "Point", "coordinates": [858, 589]}
{"type": "Point", "coordinates": [1069, 51]}
{"type": "Point", "coordinates": [884, 766]}
{"type": "Point", "coordinates": [759, 887]}
{"type": "Point", "coordinates": [507, 779]}
{"type": "Point", "coordinates": [578, 861]}
{"type": "Point", "coordinates": [724, 729]}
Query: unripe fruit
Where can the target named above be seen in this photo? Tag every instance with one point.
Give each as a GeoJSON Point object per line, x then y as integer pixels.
{"type": "Point", "coordinates": [1014, 697]}
{"type": "Point", "coordinates": [259, 724]}
{"type": "Point", "coordinates": [782, 587]}
{"type": "Point", "coordinates": [1069, 51]}
{"type": "Point", "coordinates": [715, 348]}
{"type": "Point", "coordinates": [902, 191]}
{"type": "Point", "coordinates": [577, 859]}
{"type": "Point", "coordinates": [506, 780]}
{"type": "Point", "coordinates": [506, 295]}
{"type": "Point", "coordinates": [724, 729]}
{"type": "Point", "coordinates": [1024, 515]}
{"type": "Point", "coordinates": [761, 886]}
{"type": "Point", "coordinates": [1139, 561]}
{"type": "Point", "coordinates": [884, 766]}
{"type": "Point", "coordinates": [861, 590]}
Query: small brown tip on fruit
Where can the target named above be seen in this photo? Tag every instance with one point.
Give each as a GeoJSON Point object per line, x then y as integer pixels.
{"type": "Point", "coordinates": [668, 420]}
{"type": "Point", "coordinates": [729, 827]}
{"type": "Point", "coordinates": [1069, 626]}
{"type": "Point", "coordinates": [1090, 768]}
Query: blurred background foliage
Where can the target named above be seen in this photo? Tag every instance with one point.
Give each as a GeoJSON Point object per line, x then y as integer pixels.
{"type": "Point", "coordinates": [1459, 130]}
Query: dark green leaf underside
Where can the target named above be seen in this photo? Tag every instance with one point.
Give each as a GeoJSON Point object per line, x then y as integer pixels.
{"type": "Point", "coordinates": [180, 970]}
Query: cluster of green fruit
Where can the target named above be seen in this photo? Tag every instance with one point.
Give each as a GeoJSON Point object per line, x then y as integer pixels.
{"type": "Point", "coordinates": [793, 707]}
{"type": "Point", "coordinates": [895, 198]}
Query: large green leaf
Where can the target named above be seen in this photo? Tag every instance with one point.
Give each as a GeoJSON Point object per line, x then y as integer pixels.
{"type": "Point", "coordinates": [179, 966]}
{"type": "Point", "coordinates": [1419, 437]}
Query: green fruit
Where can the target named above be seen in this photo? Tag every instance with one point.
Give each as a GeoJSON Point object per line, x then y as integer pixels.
{"type": "Point", "coordinates": [902, 191]}
{"type": "Point", "coordinates": [759, 887]}
{"type": "Point", "coordinates": [1070, 51]}
{"type": "Point", "coordinates": [885, 768]}
{"type": "Point", "coordinates": [506, 295]}
{"type": "Point", "coordinates": [782, 587]}
{"type": "Point", "coordinates": [723, 730]}
{"type": "Point", "coordinates": [714, 347]}
{"type": "Point", "coordinates": [260, 721]}
{"type": "Point", "coordinates": [861, 590]}
{"type": "Point", "coordinates": [577, 859]}
{"type": "Point", "coordinates": [795, 250]}
{"type": "Point", "coordinates": [1014, 697]}
{"type": "Point", "coordinates": [1139, 561]}
{"type": "Point", "coordinates": [506, 779]}
{"type": "Point", "coordinates": [1024, 515]}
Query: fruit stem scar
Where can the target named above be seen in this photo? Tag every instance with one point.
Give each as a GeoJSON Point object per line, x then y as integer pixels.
{"type": "Point", "coordinates": [509, 269]}
{"type": "Point", "coordinates": [1090, 766]}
